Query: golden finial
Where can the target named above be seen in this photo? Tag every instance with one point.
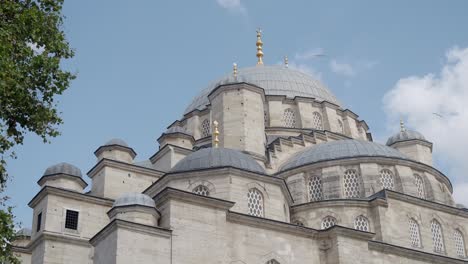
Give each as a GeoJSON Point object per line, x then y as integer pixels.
{"type": "Point", "coordinates": [234, 70]}
{"type": "Point", "coordinates": [259, 47]}
{"type": "Point", "coordinates": [402, 126]}
{"type": "Point", "coordinates": [215, 134]}
{"type": "Point", "coordinates": [286, 61]}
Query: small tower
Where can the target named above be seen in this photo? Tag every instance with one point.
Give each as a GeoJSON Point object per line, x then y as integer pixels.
{"type": "Point", "coordinates": [412, 143]}
{"type": "Point", "coordinates": [116, 149]}
{"type": "Point", "coordinates": [63, 175]}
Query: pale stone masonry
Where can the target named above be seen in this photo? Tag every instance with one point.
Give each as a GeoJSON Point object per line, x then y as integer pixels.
{"type": "Point", "coordinates": [296, 179]}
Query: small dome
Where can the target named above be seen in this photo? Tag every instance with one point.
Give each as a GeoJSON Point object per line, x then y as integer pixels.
{"type": "Point", "coordinates": [217, 157]}
{"type": "Point", "coordinates": [116, 141]}
{"type": "Point", "coordinates": [63, 168]}
{"type": "Point", "coordinates": [275, 80]}
{"type": "Point", "coordinates": [134, 199]}
{"type": "Point", "coordinates": [26, 232]}
{"type": "Point", "coordinates": [340, 149]}
{"type": "Point", "coordinates": [404, 136]}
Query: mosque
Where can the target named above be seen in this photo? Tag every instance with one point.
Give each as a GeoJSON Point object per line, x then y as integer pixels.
{"type": "Point", "coordinates": [264, 167]}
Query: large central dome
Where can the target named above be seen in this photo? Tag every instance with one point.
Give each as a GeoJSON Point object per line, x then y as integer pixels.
{"type": "Point", "coordinates": [275, 80]}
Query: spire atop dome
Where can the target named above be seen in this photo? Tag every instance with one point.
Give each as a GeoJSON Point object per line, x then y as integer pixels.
{"type": "Point", "coordinates": [234, 70]}
{"type": "Point", "coordinates": [215, 134]}
{"type": "Point", "coordinates": [259, 47]}
{"type": "Point", "coordinates": [286, 61]}
{"type": "Point", "coordinates": [402, 126]}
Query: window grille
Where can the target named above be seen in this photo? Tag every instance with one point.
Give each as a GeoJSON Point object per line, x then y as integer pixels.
{"type": "Point", "coordinates": [317, 121]}
{"type": "Point", "coordinates": [328, 222]}
{"type": "Point", "coordinates": [201, 190]}
{"type": "Point", "coordinates": [437, 237]}
{"type": "Point", "coordinates": [272, 261]}
{"type": "Point", "coordinates": [361, 223]}
{"type": "Point", "coordinates": [340, 127]}
{"type": "Point", "coordinates": [315, 188]}
{"type": "Point", "coordinates": [415, 236]}
{"type": "Point", "coordinates": [255, 202]}
{"type": "Point", "coordinates": [459, 243]}
{"type": "Point", "coordinates": [289, 118]}
{"type": "Point", "coordinates": [351, 184]}
{"type": "Point", "coordinates": [386, 179]}
{"type": "Point", "coordinates": [419, 186]}
{"type": "Point", "coordinates": [39, 222]}
{"type": "Point", "coordinates": [71, 220]}
{"type": "Point", "coordinates": [205, 128]}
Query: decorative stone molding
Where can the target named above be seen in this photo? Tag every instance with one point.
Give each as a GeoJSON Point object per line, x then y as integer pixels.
{"type": "Point", "coordinates": [123, 166]}
{"type": "Point", "coordinates": [69, 194]}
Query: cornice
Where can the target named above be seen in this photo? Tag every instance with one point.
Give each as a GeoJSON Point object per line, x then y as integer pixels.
{"type": "Point", "coordinates": [176, 135]}
{"type": "Point", "coordinates": [236, 86]}
{"type": "Point", "coordinates": [166, 149]}
{"type": "Point", "coordinates": [134, 227]}
{"type": "Point", "coordinates": [123, 166]}
{"type": "Point", "coordinates": [118, 147]}
{"type": "Point", "coordinates": [169, 193]}
{"type": "Point", "coordinates": [412, 253]}
{"type": "Point", "coordinates": [69, 194]}
{"type": "Point", "coordinates": [77, 179]}
{"type": "Point", "coordinates": [68, 239]}
{"type": "Point", "coordinates": [365, 202]}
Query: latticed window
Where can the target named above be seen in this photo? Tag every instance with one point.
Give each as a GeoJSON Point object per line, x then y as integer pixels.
{"type": "Point", "coordinates": [328, 222]}
{"type": "Point", "coordinates": [201, 190]}
{"type": "Point", "coordinates": [415, 236]}
{"type": "Point", "coordinates": [437, 236]}
{"type": "Point", "coordinates": [340, 127]}
{"type": "Point", "coordinates": [459, 243]}
{"type": "Point", "coordinates": [351, 184]}
{"type": "Point", "coordinates": [298, 222]}
{"type": "Point", "coordinates": [317, 121]}
{"type": "Point", "coordinates": [255, 202]}
{"type": "Point", "coordinates": [272, 261]}
{"type": "Point", "coordinates": [289, 118]}
{"type": "Point", "coordinates": [315, 188]}
{"type": "Point", "coordinates": [419, 186]}
{"type": "Point", "coordinates": [386, 179]}
{"type": "Point", "coordinates": [361, 223]}
{"type": "Point", "coordinates": [205, 128]}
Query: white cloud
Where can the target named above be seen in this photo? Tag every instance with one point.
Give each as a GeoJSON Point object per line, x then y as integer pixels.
{"type": "Point", "coordinates": [306, 69]}
{"type": "Point", "coordinates": [37, 49]}
{"type": "Point", "coordinates": [233, 5]}
{"type": "Point", "coordinates": [309, 54]}
{"type": "Point", "coordinates": [342, 68]}
{"type": "Point", "coordinates": [437, 106]}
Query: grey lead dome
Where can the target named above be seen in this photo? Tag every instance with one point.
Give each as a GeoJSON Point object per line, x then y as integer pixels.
{"type": "Point", "coordinates": [404, 136]}
{"type": "Point", "coordinates": [275, 80]}
{"type": "Point", "coordinates": [134, 199]}
{"type": "Point", "coordinates": [116, 141]}
{"type": "Point", "coordinates": [218, 157]}
{"type": "Point", "coordinates": [63, 168]}
{"type": "Point", "coordinates": [340, 149]}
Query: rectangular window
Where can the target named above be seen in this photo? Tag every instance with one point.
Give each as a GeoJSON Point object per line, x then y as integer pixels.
{"type": "Point", "coordinates": [71, 220]}
{"type": "Point", "coordinates": [39, 222]}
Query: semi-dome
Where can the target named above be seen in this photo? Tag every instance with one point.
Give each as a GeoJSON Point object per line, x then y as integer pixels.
{"type": "Point", "coordinates": [217, 157]}
{"type": "Point", "coordinates": [63, 168]}
{"type": "Point", "coordinates": [275, 80]}
{"type": "Point", "coordinates": [405, 135]}
{"type": "Point", "coordinates": [116, 141]}
{"type": "Point", "coordinates": [341, 149]}
{"type": "Point", "coordinates": [134, 199]}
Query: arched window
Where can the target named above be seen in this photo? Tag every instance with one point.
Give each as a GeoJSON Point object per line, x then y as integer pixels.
{"type": "Point", "coordinates": [272, 261]}
{"type": "Point", "coordinates": [255, 202]}
{"type": "Point", "coordinates": [418, 181]}
{"type": "Point", "coordinates": [361, 223]}
{"type": "Point", "coordinates": [351, 184]}
{"type": "Point", "coordinates": [205, 128]}
{"type": "Point", "coordinates": [201, 190]}
{"type": "Point", "coordinates": [340, 127]}
{"type": "Point", "coordinates": [298, 222]}
{"type": "Point", "coordinates": [386, 179]}
{"type": "Point", "coordinates": [459, 243]}
{"type": "Point", "coordinates": [317, 121]}
{"type": "Point", "coordinates": [415, 235]}
{"type": "Point", "coordinates": [437, 236]}
{"type": "Point", "coordinates": [315, 188]}
{"type": "Point", "coordinates": [289, 118]}
{"type": "Point", "coordinates": [328, 221]}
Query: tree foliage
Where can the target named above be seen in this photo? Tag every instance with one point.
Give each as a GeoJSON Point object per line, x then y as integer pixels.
{"type": "Point", "coordinates": [32, 47]}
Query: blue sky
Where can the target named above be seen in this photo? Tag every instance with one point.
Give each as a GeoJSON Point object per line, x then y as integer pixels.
{"type": "Point", "coordinates": [139, 63]}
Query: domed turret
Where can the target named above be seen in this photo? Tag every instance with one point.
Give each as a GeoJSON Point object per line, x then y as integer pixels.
{"type": "Point", "coordinates": [135, 207]}
{"type": "Point", "coordinates": [217, 158]}
{"type": "Point", "coordinates": [412, 143]}
{"type": "Point", "coordinates": [63, 175]}
{"type": "Point", "coordinates": [116, 149]}
{"type": "Point", "coordinates": [177, 136]}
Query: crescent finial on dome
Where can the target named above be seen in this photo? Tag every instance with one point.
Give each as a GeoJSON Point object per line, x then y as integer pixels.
{"type": "Point", "coordinates": [259, 47]}
{"type": "Point", "coordinates": [215, 134]}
